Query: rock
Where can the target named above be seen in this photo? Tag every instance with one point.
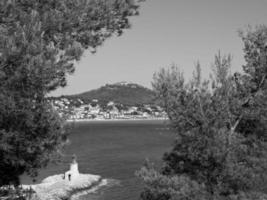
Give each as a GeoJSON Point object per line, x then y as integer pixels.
{"type": "Point", "coordinates": [57, 188]}
{"type": "Point", "coordinates": [63, 186]}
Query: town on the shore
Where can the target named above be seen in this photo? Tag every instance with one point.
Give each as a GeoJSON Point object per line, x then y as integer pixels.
{"type": "Point", "coordinates": [78, 109]}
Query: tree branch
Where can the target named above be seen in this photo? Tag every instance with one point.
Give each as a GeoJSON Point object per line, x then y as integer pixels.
{"type": "Point", "coordinates": [233, 128]}
{"type": "Point", "coordinates": [201, 108]}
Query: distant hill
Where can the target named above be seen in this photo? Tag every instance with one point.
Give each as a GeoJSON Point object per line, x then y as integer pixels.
{"type": "Point", "coordinates": [122, 92]}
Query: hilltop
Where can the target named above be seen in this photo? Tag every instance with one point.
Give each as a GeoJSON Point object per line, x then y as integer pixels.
{"type": "Point", "coordinates": [113, 101]}
{"type": "Point", "coordinates": [125, 93]}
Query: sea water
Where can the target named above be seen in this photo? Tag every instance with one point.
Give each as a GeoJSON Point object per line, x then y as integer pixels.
{"type": "Point", "coordinates": [114, 150]}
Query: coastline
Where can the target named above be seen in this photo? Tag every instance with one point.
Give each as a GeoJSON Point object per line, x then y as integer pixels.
{"type": "Point", "coordinates": [54, 187]}
{"type": "Point", "coordinates": [115, 120]}
{"type": "Point", "coordinates": [74, 195]}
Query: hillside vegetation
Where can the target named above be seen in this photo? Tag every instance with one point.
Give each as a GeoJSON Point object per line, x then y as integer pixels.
{"type": "Point", "coordinates": [124, 93]}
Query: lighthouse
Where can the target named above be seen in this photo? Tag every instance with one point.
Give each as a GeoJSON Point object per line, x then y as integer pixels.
{"type": "Point", "coordinates": [73, 173]}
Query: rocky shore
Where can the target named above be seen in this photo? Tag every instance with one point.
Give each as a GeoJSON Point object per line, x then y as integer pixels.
{"type": "Point", "coordinates": [64, 186]}
{"type": "Point", "coordinates": [57, 188]}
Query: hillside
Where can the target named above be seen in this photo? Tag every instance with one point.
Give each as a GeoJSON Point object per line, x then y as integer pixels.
{"type": "Point", "coordinates": [123, 92]}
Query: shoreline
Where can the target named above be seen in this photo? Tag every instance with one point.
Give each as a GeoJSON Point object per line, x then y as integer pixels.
{"type": "Point", "coordinates": [80, 192]}
{"type": "Point", "coordinates": [115, 120]}
{"type": "Point", "coordinates": [54, 187]}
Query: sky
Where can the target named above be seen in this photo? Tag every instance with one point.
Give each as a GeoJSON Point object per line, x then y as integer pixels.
{"type": "Point", "coordinates": [167, 32]}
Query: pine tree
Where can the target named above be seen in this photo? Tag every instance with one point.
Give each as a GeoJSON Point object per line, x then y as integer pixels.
{"type": "Point", "coordinates": [220, 151]}
{"type": "Point", "coordinates": [39, 43]}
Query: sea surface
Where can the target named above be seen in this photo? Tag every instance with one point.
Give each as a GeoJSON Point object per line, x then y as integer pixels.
{"type": "Point", "coordinates": [114, 150]}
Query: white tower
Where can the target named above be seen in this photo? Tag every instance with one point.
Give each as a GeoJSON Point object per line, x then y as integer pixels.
{"type": "Point", "coordinates": [74, 171]}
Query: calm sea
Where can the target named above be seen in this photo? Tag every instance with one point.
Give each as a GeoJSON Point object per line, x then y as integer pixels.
{"type": "Point", "coordinates": [114, 150]}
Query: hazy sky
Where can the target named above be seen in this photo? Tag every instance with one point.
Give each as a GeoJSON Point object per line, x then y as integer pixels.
{"type": "Point", "coordinates": [166, 32]}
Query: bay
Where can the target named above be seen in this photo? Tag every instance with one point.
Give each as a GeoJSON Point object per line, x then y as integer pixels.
{"type": "Point", "coordinates": [114, 150]}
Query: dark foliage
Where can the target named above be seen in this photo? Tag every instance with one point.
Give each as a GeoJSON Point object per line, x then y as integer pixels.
{"type": "Point", "coordinates": [220, 151]}
{"type": "Point", "coordinates": [39, 42]}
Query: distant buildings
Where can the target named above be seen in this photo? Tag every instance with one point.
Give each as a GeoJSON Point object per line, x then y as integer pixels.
{"type": "Point", "coordinates": [76, 109]}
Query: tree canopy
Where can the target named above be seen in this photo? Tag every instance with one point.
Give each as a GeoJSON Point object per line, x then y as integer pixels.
{"type": "Point", "coordinates": [220, 151]}
{"type": "Point", "coordinates": [39, 43]}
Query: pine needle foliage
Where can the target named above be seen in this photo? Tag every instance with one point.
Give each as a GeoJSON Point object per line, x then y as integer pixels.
{"type": "Point", "coordinates": [220, 151]}
{"type": "Point", "coordinates": [40, 41]}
